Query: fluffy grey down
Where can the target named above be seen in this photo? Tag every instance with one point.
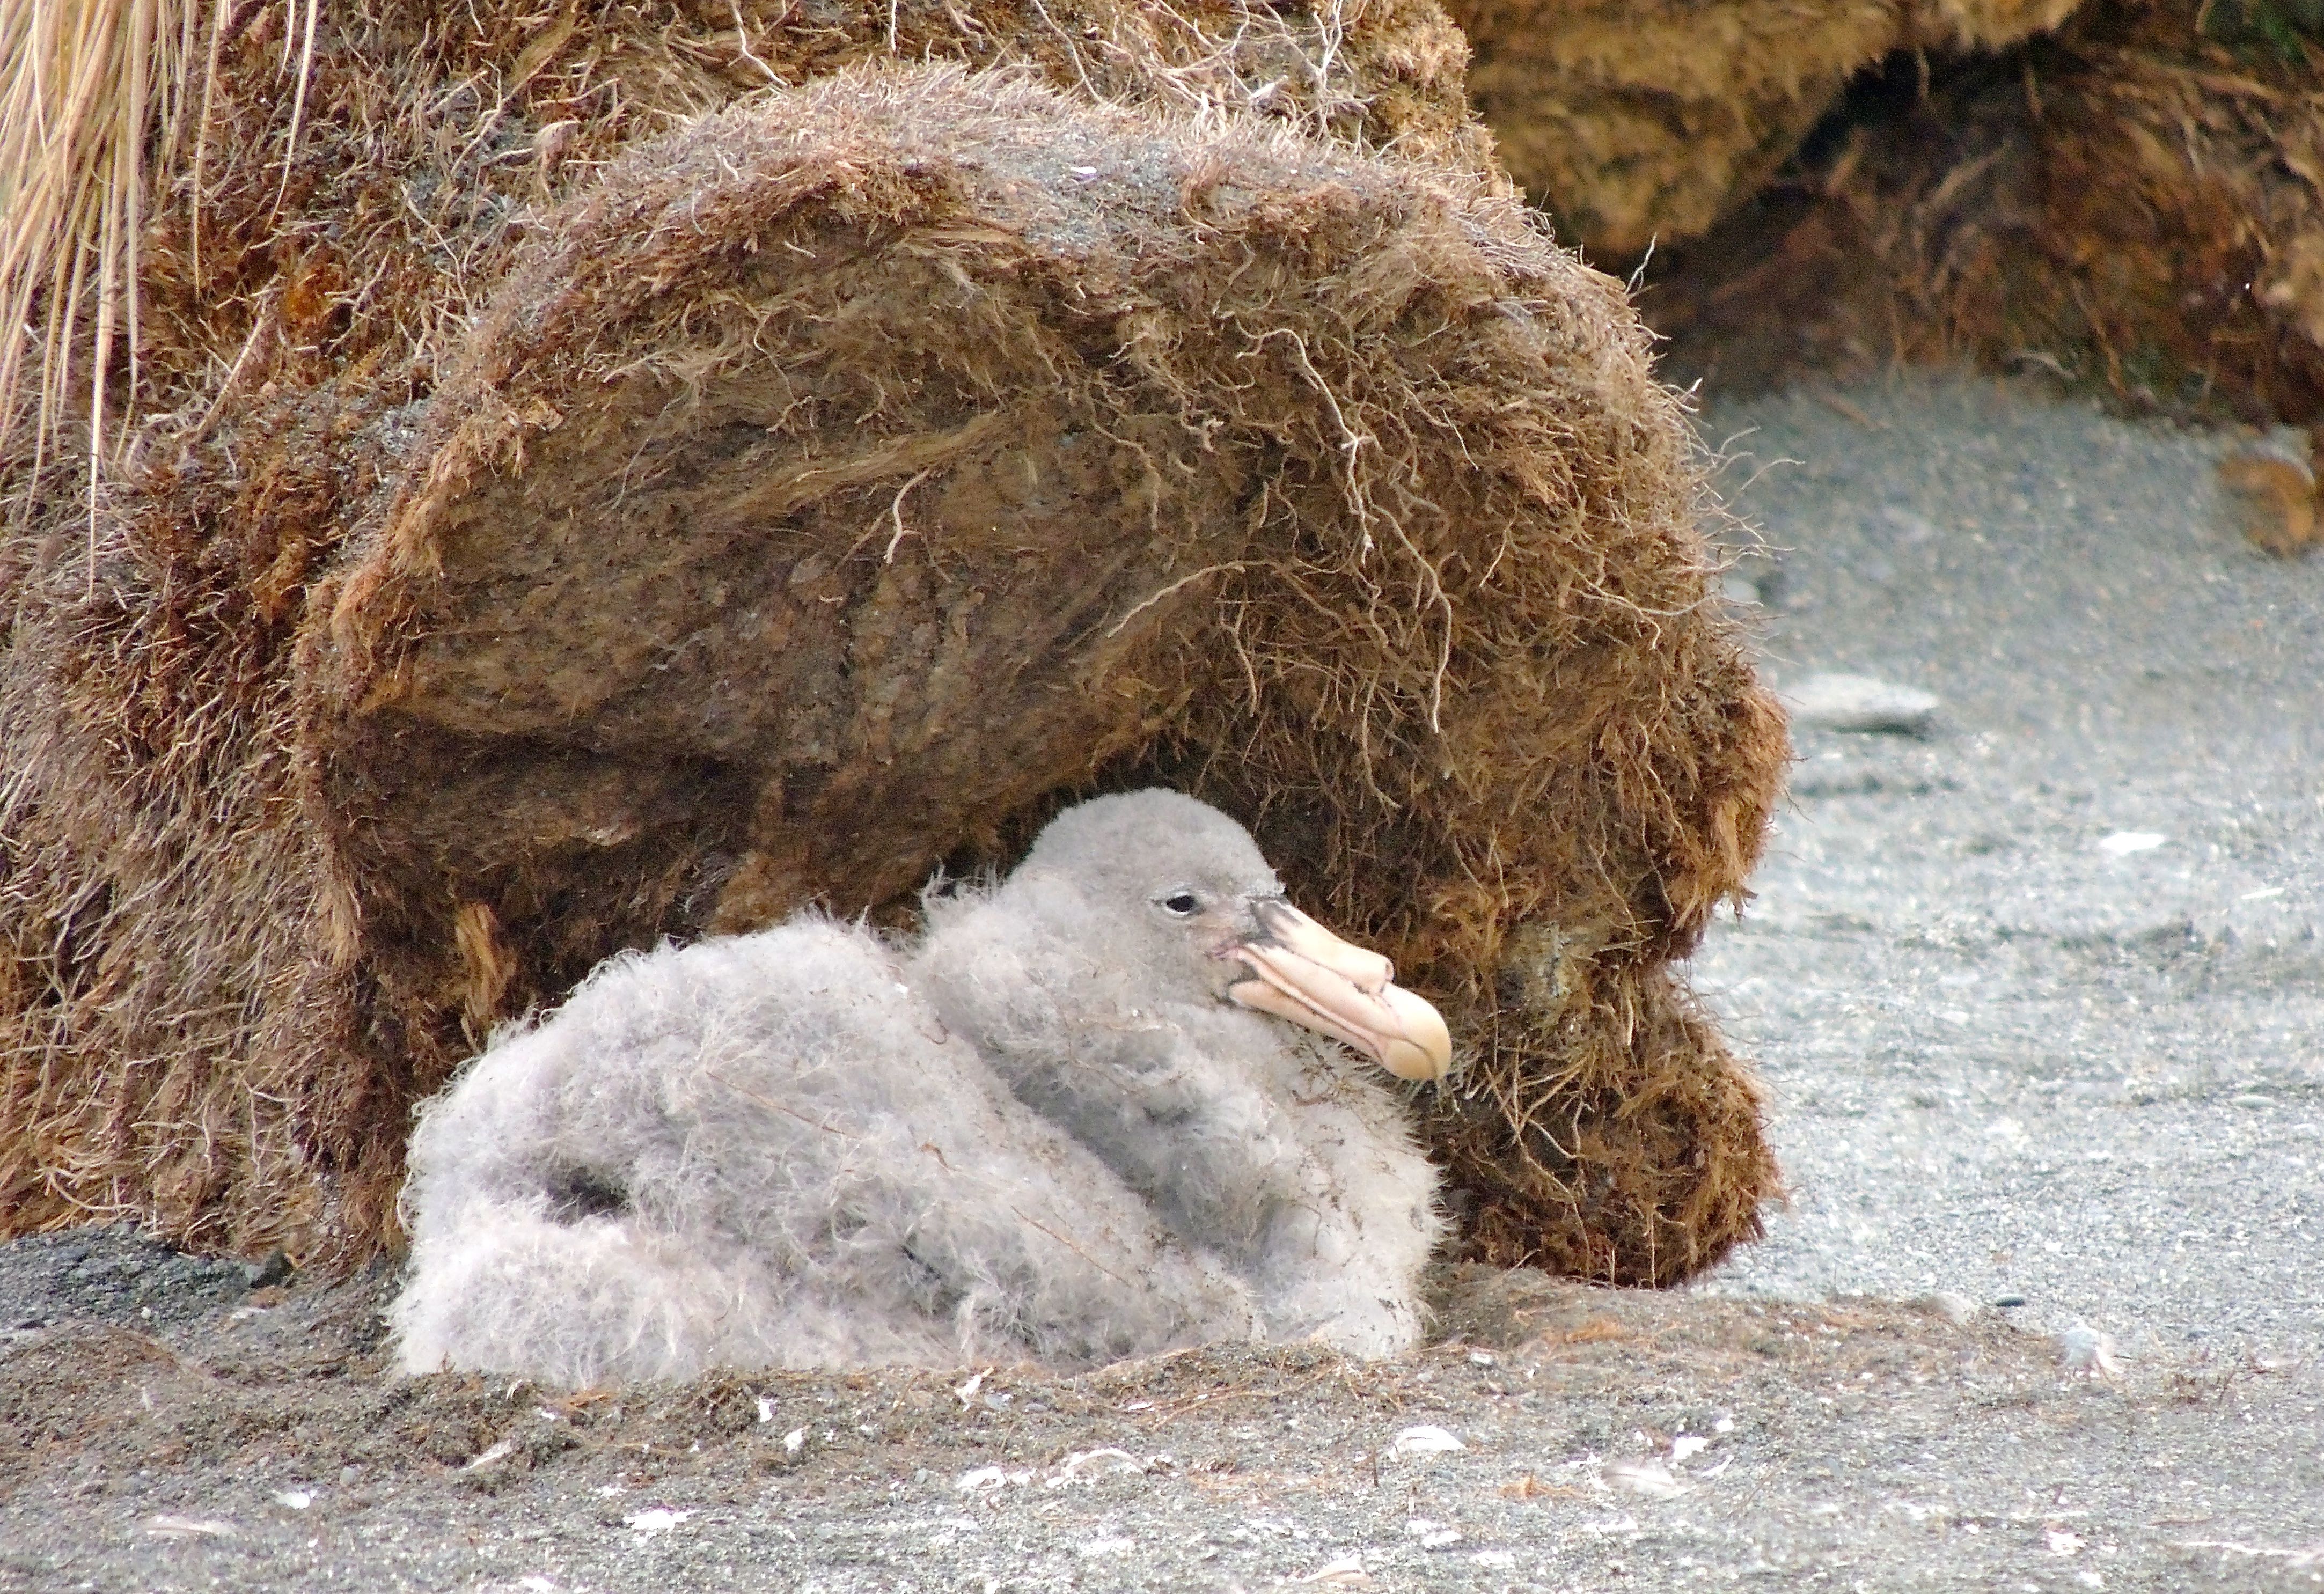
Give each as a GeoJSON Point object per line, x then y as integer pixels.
{"type": "Point", "coordinates": [1042, 1132]}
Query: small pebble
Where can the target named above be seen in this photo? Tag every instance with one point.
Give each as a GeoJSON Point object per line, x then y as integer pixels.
{"type": "Point", "coordinates": [275, 1269]}
{"type": "Point", "coordinates": [1651, 1479]}
{"type": "Point", "coordinates": [492, 1455]}
{"type": "Point", "coordinates": [1951, 1305]}
{"type": "Point", "coordinates": [1860, 703]}
{"type": "Point", "coordinates": [2276, 498]}
{"type": "Point", "coordinates": [2006, 1302]}
{"type": "Point", "coordinates": [2082, 1347]}
{"type": "Point", "coordinates": [170, 1527]}
{"type": "Point", "coordinates": [1105, 1459]}
{"type": "Point", "coordinates": [1912, 529]}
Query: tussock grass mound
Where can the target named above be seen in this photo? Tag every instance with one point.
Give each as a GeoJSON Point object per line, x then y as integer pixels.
{"type": "Point", "coordinates": [826, 490]}
{"type": "Point", "coordinates": [866, 470]}
{"type": "Point", "coordinates": [1638, 122]}
{"type": "Point", "coordinates": [2135, 205]}
{"type": "Point", "coordinates": [291, 213]}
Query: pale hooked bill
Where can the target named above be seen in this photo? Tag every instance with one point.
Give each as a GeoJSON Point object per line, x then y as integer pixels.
{"type": "Point", "coordinates": [1301, 972]}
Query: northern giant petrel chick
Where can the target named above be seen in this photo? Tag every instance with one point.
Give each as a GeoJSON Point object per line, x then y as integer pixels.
{"type": "Point", "coordinates": [1068, 1125]}
{"type": "Point", "coordinates": [1122, 982]}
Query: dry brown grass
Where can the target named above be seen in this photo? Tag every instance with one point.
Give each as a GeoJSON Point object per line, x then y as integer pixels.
{"type": "Point", "coordinates": [93, 101]}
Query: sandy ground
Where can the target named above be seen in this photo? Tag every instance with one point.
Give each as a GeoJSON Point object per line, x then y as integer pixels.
{"type": "Point", "coordinates": [2042, 995]}
{"type": "Point", "coordinates": [2013, 1057]}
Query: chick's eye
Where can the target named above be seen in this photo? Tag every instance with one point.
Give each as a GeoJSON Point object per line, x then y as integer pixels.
{"type": "Point", "coordinates": [1181, 903]}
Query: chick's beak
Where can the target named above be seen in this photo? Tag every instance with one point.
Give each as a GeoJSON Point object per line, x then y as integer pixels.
{"type": "Point", "coordinates": [1301, 972]}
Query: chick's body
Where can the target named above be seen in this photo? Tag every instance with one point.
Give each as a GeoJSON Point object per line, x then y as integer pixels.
{"type": "Point", "coordinates": [1043, 1133]}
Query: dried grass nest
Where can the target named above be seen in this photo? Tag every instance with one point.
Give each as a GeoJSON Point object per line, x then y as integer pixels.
{"type": "Point", "coordinates": [826, 490]}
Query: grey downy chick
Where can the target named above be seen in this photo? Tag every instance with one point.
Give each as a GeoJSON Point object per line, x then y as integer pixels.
{"type": "Point", "coordinates": [1129, 982]}
{"type": "Point", "coordinates": [764, 1151]}
{"type": "Point", "coordinates": [770, 1150]}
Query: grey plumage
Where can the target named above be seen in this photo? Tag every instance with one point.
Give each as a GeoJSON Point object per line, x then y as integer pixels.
{"type": "Point", "coordinates": [1269, 1147]}
{"type": "Point", "coordinates": [1044, 1131]}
